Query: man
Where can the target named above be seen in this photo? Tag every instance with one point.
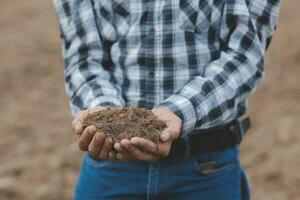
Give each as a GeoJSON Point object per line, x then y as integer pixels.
{"type": "Point", "coordinates": [194, 63]}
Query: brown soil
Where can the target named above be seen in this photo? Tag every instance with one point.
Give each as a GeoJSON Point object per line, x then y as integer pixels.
{"type": "Point", "coordinates": [126, 123]}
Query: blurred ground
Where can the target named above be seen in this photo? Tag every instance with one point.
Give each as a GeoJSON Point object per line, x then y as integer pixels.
{"type": "Point", "coordinates": [35, 121]}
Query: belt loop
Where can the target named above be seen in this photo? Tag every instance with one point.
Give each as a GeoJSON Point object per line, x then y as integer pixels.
{"type": "Point", "coordinates": [241, 128]}
{"type": "Point", "coordinates": [188, 152]}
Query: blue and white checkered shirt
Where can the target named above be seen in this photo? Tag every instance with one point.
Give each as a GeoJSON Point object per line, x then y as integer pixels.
{"type": "Point", "coordinates": [200, 58]}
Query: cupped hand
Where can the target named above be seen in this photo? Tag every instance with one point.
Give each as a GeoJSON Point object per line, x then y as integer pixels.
{"type": "Point", "coordinates": [96, 143]}
{"type": "Point", "coordinates": [143, 150]}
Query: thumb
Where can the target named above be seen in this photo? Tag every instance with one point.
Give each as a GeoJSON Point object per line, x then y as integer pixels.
{"type": "Point", "coordinates": [79, 128]}
{"type": "Point", "coordinates": [165, 136]}
{"type": "Point", "coordinates": [77, 123]}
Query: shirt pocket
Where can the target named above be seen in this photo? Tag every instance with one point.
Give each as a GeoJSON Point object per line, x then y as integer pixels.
{"type": "Point", "coordinates": [122, 16]}
{"type": "Point", "coordinates": [113, 17]}
{"type": "Point", "coordinates": [213, 168]}
{"type": "Point", "coordinates": [200, 15]}
{"type": "Point", "coordinates": [216, 163]}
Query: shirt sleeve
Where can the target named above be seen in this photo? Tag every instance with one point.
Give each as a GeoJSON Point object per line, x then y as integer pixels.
{"type": "Point", "coordinates": [212, 99]}
{"type": "Point", "coordinates": [88, 76]}
{"type": "Point", "coordinates": [264, 15]}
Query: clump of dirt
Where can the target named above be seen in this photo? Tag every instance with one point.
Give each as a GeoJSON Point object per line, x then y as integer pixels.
{"type": "Point", "coordinates": [126, 123]}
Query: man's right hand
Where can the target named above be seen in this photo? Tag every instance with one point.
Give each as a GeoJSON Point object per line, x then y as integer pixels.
{"type": "Point", "coordinates": [96, 143]}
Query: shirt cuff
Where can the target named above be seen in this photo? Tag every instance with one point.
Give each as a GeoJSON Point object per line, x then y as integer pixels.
{"type": "Point", "coordinates": [106, 102]}
{"type": "Point", "coordinates": [184, 109]}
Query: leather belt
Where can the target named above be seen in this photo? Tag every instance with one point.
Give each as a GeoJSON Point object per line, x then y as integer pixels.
{"type": "Point", "coordinates": [208, 140]}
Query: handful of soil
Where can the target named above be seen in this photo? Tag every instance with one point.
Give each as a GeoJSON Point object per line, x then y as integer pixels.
{"type": "Point", "coordinates": [126, 123]}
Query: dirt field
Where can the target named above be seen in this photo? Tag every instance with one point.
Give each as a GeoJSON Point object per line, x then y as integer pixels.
{"type": "Point", "coordinates": [35, 121]}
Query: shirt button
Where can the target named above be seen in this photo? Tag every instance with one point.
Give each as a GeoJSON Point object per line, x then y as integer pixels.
{"type": "Point", "coordinates": [151, 31]}
{"type": "Point", "coordinates": [151, 74]}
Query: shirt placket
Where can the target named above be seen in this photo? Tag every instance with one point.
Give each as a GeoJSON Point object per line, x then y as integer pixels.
{"type": "Point", "coordinates": [158, 9]}
{"type": "Point", "coordinates": [154, 52]}
{"type": "Point", "coordinates": [150, 54]}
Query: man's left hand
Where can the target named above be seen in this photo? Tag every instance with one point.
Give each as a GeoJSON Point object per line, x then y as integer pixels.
{"type": "Point", "coordinates": [143, 150]}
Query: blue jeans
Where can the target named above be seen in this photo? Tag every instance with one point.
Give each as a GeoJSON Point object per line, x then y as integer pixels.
{"type": "Point", "coordinates": [210, 176]}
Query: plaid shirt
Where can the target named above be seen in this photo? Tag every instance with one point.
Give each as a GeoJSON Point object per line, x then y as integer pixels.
{"type": "Point", "coordinates": [200, 58]}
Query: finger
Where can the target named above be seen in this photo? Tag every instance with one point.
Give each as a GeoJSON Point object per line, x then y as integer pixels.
{"type": "Point", "coordinates": [163, 149]}
{"type": "Point", "coordinates": [112, 156]}
{"type": "Point", "coordinates": [96, 144]}
{"type": "Point", "coordinates": [170, 133]}
{"type": "Point", "coordinates": [79, 128]}
{"type": "Point", "coordinates": [139, 155]}
{"type": "Point", "coordinates": [121, 157]}
{"type": "Point", "coordinates": [77, 123]}
{"type": "Point", "coordinates": [122, 150]}
{"type": "Point", "coordinates": [86, 138]}
{"type": "Point", "coordinates": [173, 128]}
{"type": "Point", "coordinates": [165, 136]}
{"type": "Point", "coordinates": [145, 145]}
{"type": "Point", "coordinates": [106, 148]}
{"type": "Point", "coordinates": [119, 148]}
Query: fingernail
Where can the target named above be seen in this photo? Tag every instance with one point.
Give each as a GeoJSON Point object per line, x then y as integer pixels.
{"type": "Point", "coordinates": [78, 128]}
{"type": "Point", "coordinates": [165, 136]}
{"type": "Point", "coordinates": [125, 144]}
{"type": "Point", "coordinates": [134, 141]}
{"type": "Point", "coordinates": [116, 146]}
{"type": "Point", "coordinates": [97, 137]}
{"type": "Point", "coordinates": [92, 130]}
